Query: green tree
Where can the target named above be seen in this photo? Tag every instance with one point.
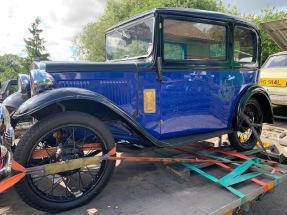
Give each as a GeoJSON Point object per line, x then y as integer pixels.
{"type": "Point", "coordinates": [269, 14]}
{"type": "Point", "coordinates": [34, 47]}
{"type": "Point", "coordinates": [90, 43]}
{"type": "Point", "coordinates": [7, 73]}
{"type": "Point", "coordinates": [14, 62]}
{"type": "Point", "coordinates": [10, 66]}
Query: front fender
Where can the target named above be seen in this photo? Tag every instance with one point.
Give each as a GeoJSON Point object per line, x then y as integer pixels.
{"type": "Point", "coordinates": [47, 98]}
{"type": "Point", "coordinates": [60, 95]}
{"type": "Point", "coordinates": [262, 97]}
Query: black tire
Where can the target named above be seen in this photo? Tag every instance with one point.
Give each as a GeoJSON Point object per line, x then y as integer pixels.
{"type": "Point", "coordinates": [244, 139]}
{"type": "Point", "coordinates": [66, 133]}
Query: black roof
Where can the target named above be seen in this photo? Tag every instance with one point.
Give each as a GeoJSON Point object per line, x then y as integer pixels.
{"type": "Point", "coordinates": [189, 12]}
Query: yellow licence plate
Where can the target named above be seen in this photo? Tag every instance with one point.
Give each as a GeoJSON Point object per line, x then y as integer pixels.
{"type": "Point", "coordinates": [274, 82]}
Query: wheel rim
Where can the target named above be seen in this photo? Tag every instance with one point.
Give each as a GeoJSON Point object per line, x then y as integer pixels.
{"type": "Point", "coordinates": [245, 135]}
{"type": "Point", "coordinates": [66, 143]}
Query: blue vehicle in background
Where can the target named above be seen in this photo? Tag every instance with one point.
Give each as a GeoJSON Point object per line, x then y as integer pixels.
{"type": "Point", "coordinates": [171, 77]}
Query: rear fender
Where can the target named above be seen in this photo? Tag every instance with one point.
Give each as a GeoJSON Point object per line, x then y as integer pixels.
{"type": "Point", "coordinates": [262, 97]}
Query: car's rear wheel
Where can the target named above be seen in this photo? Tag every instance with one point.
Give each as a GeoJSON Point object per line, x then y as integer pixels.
{"type": "Point", "coordinates": [62, 137]}
{"type": "Point", "coordinates": [244, 139]}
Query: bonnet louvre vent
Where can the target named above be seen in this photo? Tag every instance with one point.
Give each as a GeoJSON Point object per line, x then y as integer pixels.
{"type": "Point", "coordinates": [117, 91]}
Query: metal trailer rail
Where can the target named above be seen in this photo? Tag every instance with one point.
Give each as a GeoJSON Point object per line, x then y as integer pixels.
{"type": "Point", "coordinates": [211, 197]}
{"type": "Point", "coordinates": [280, 117]}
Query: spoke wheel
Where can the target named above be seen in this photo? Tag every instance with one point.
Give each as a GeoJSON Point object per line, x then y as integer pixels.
{"type": "Point", "coordinates": [63, 137]}
{"type": "Point", "coordinates": [244, 139]}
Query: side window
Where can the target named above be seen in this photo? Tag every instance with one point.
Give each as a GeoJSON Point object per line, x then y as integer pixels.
{"type": "Point", "coordinates": [244, 45]}
{"type": "Point", "coordinates": [186, 40]}
{"type": "Point", "coordinates": [174, 51]}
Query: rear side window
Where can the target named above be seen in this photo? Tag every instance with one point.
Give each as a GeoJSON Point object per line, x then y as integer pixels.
{"type": "Point", "coordinates": [187, 40]}
{"type": "Point", "coordinates": [244, 45]}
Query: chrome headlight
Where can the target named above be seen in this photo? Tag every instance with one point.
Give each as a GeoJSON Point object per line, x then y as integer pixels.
{"type": "Point", "coordinates": [41, 81]}
{"type": "Point", "coordinates": [24, 84]}
{"type": "Point", "coordinates": [6, 130]}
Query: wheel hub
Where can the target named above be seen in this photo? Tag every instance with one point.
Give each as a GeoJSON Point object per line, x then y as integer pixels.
{"type": "Point", "coordinates": [65, 153]}
{"type": "Point", "coordinates": [244, 126]}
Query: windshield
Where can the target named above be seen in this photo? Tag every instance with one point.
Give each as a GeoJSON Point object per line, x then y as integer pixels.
{"type": "Point", "coordinates": [132, 41]}
{"type": "Point", "coordinates": [276, 61]}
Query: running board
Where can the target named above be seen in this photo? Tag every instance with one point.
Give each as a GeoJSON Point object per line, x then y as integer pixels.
{"type": "Point", "coordinates": [174, 142]}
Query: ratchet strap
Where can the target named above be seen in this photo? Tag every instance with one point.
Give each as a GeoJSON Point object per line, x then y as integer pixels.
{"type": "Point", "coordinates": [242, 156]}
{"type": "Point", "coordinates": [52, 168]}
{"type": "Point", "coordinates": [63, 166]}
{"type": "Point", "coordinates": [207, 156]}
{"type": "Point", "coordinates": [241, 195]}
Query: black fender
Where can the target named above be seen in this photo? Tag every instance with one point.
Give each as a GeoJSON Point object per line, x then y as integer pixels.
{"type": "Point", "coordinates": [262, 97]}
{"type": "Point", "coordinates": [14, 101]}
{"type": "Point", "coordinates": [61, 96]}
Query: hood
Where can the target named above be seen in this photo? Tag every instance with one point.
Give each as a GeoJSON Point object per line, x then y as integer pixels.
{"type": "Point", "coordinates": [59, 67]}
{"type": "Point", "coordinates": [275, 72]}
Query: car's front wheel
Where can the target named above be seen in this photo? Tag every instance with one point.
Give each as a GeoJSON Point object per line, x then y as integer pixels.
{"type": "Point", "coordinates": [244, 139]}
{"type": "Point", "coordinates": [62, 137]}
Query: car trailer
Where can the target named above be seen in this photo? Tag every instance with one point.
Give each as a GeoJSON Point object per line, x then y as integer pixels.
{"type": "Point", "coordinates": [226, 181]}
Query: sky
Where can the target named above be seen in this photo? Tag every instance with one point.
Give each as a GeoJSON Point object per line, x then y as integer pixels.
{"type": "Point", "coordinates": [63, 19]}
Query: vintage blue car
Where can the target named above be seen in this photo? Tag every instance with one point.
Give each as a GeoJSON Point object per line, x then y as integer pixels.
{"type": "Point", "coordinates": [171, 77]}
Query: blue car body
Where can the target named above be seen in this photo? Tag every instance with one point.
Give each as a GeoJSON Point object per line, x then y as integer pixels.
{"type": "Point", "coordinates": [188, 102]}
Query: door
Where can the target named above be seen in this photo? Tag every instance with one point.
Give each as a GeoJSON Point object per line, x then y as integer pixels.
{"type": "Point", "coordinates": [199, 88]}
